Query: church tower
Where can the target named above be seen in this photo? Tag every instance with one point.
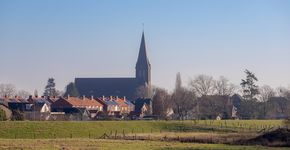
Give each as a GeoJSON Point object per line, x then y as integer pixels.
{"type": "Point", "coordinates": [143, 67]}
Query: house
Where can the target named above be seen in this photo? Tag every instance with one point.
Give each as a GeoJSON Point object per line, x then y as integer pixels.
{"type": "Point", "coordinates": [18, 104]}
{"type": "Point", "coordinates": [39, 111]}
{"type": "Point", "coordinates": [40, 100]}
{"type": "Point", "coordinates": [143, 107]}
{"type": "Point", "coordinates": [126, 107]}
{"type": "Point", "coordinates": [40, 108]}
{"type": "Point", "coordinates": [75, 106]}
{"type": "Point", "coordinates": [111, 107]}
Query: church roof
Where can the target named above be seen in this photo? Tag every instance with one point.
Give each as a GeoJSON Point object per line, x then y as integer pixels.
{"type": "Point", "coordinates": [142, 57]}
{"type": "Point", "coordinates": [106, 86]}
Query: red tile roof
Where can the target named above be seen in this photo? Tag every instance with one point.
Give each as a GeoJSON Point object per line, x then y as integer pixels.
{"type": "Point", "coordinates": [82, 102]}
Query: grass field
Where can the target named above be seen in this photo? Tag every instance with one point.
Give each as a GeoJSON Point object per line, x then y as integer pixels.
{"type": "Point", "coordinates": [159, 135]}
{"type": "Point", "coordinates": [95, 129]}
{"type": "Point", "coordinates": [93, 144]}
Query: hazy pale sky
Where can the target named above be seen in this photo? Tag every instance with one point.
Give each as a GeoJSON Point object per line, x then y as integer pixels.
{"type": "Point", "coordinates": [65, 39]}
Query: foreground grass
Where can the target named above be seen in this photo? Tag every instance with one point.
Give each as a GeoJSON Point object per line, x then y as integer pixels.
{"type": "Point", "coordinates": [75, 144]}
{"type": "Point", "coordinates": [95, 129]}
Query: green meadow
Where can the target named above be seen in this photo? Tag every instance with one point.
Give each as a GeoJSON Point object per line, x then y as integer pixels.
{"type": "Point", "coordinates": [95, 129]}
{"type": "Point", "coordinates": [50, 135]}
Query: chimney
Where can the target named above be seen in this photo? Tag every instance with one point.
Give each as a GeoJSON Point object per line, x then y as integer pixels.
{"type": "Point", "coordinates": [117, 98]}
{"type": "Point", "coordinates": [111, 98]}
{"type": "Point", "coordinates": [124, 98]}
{"type": "Point", "coordinates": [84, 97]}
{"type": "Point", "coordinates": [103, 97]}
{"type": "Point", "coordinates": [92, 97]}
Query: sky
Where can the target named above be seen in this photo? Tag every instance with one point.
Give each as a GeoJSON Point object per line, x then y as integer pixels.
{"type": "Point", "coordinates": [75, 38]}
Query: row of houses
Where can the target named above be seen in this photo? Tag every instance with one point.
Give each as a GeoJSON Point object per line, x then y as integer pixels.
{"type": "Point", "coordinates": [74, 108]}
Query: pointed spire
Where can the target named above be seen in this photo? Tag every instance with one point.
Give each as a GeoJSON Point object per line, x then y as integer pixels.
{"type": "Point", "coordinates": [142, 57]}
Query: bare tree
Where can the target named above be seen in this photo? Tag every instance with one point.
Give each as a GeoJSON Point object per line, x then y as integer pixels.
{"type": "Point", "coordinates": [23, 94]}
{"type": "Point", "coordinates": [203, 85]}
{"type": "Point", "coordinates": [141, 92]}
{"type": "Point", "coordinates": [8, 90]}
{"type": "Point", "coordinates": [182, 99]}
{"type": "Point", "coordinates": [265, 92]}
{"type": "Point", "coordinates": [283, 92]}
{"type": "Point", "coordinates": [223, 87]}
{"type": "Point", "coordinates": [161, 103]}
{"type": "Point", "coordinates": [183, 102]}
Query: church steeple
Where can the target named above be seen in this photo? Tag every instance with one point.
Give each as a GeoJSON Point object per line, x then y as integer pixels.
{"type": "Point", "coordinates": [143, 67]}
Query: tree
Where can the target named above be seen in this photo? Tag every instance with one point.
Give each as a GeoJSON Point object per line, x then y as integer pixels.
{"type": "Point", "coordinates": [50, 88]}
{"type": "Point", "coordinates": [250, 89]}
{"type": "Point", "coordinates": [2, 115]}
{"type": "Point", "coordinates": [71, 90]}
{"type": "Point", "coordinates": [161, 103]}
{"type": "Point", "coordinates": [223, 87]}
{"type": "Point", "coordinates": [23, 94]}
{"type": "Point", "coordinates": [202, 85]}
{"type": "Point", "coordinates": [143, 92]}
{"type": "Point", "coordinates": [182, 99]}
{"type": "Point", "coordinates": [8, 90]}
{"type": "Point", "coordinates": [17, 115]}
{"type": "Point", "coordinates": [266, 92]}
{"type": "Point", "coordinates": [283, 92]}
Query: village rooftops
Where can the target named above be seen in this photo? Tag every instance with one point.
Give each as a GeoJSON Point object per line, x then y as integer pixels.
{"type": "Point", "coordinates": [76, 102]}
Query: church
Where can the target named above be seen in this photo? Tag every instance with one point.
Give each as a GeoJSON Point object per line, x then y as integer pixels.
{"type": "Point", "coordinates": [127, 87]}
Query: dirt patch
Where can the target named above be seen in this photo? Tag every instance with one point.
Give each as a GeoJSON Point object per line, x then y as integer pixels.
{"type": "Point", "coordinates": [278, 137]}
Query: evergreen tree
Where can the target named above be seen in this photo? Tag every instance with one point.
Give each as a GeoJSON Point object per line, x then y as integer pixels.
{"type": "Point", "coordinates": [50, 88]}
{"type": "Point", "coordinates": [250, 89]}
{"type": "Point", "coordinates": [71, 90]}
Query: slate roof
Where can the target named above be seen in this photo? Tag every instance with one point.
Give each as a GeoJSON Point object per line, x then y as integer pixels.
{"type": "Point", "coordinates": [37, 106]}
{"type": "Point", "coordinates": [142, 57]}
{"type": "Point", "coordinates": [41, 99]}
{"type": "Point", "coordinates": [107, 86]}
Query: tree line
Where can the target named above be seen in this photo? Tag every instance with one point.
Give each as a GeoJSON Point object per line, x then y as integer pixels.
{"type": "Point", "coordinates": [182, 102]}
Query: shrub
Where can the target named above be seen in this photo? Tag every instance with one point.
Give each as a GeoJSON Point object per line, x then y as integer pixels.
{"type": "Point", "coordinates": [17, 115]}
{"type": "Point", "coordinates": [2, 115]}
